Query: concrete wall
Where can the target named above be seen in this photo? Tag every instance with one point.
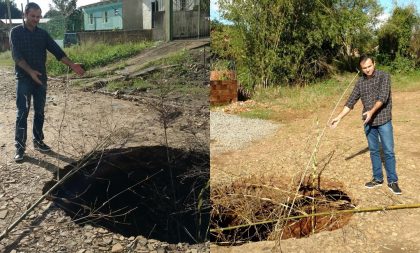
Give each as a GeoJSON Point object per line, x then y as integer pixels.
{"type": "Point", "coordinates": [158, 32]}
{"type": "Point", "coordinates": [147, 14]}
{"type": "Point", "coordinates": [186, 24]}
{"type": "Point", "coordinates": [115, 37]}
{"type": "Point", "coordinates": [133, 14]}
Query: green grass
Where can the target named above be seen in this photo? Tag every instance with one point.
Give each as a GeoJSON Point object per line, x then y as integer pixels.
{"type": "Point", "coordinates": [173, 59]}
{"type": "Point", "coordinates": [95, 55]}
{"type": "Point", "coordinates": [144, 85]}
{"type": "Point", "coordinates": [258, 113]}
{"type": "Point", "coordinates": [406, 82]}
{"type": "Point", "coordinates": [303, 97]}
{"type": "Point", "coordinates": [6, 59]}
{"type": "Point", "coordinates": [137, 84]}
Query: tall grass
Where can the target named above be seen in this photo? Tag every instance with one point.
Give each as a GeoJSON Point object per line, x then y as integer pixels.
{"type": "Point", "coordinates": [93, 55]}
{"type": "Point", "coordinates": [6, 59]}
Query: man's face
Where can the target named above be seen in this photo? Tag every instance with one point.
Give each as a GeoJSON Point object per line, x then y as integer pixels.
{"type": "Point", "coordinates": [32, 17]}
{"type": "Point", "coordinates": [368, 67]}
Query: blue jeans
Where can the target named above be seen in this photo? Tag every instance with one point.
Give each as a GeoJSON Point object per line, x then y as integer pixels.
{"type": "Point", "coordinates": [385, 133]}
{"type": "Point", "coordinates": [25, 90]}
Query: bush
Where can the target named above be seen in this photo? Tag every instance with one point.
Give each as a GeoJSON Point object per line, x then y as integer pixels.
{"type": "Point", "coordinates": [402, 65]}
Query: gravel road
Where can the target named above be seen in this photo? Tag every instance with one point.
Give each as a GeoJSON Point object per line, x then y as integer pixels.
{"type": "Point", "coordinates": [231, 132]}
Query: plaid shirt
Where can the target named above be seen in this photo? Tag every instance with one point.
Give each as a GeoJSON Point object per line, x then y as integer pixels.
{"type": "Point", "coordinates": [31, 46]}
{"type": "Point", "coordinates": [371, 90]}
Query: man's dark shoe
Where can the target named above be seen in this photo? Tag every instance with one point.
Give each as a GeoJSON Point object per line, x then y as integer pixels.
{"type": "Point", "coordinates": [373, 183]}
{"type": "Point", "coordinates": [19, 155]}
{"type": "Point", "coordinates": [394, 188]}
{"type": "Point", "coordinates": [41, 146]}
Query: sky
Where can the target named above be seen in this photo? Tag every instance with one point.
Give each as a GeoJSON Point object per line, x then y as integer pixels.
{"type": "Point", "coordinates": [45, 4]}
{"type": "Point", "coordinates": [386, 4]}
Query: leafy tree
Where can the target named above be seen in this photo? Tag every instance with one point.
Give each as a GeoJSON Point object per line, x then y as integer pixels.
{"type": "Point", "coordinates": [354, 29]}
{"type": "Point", "coordinates": [52, 13]}
{"type": "Point", "coordinates": [14, 10]}
{"type": "Point", "coordinates": [64, 17]}
{"type": "Point", "coordinates": [400, 30]}
{"type": "Point", "coordinates": [294, 41]}
{"type": "Point", "coordinates": [56, 27]}
{"type": "Point", "coordinates": [65, 7]}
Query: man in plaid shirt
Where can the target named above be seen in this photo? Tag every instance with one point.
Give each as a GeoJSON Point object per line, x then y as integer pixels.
{"type": "Point", "coordinates": [374, 89]}
{"type": "Point", "coordinates": [29, 45]}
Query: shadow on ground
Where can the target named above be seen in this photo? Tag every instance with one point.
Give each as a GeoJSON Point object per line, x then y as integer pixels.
{"type": "Point", "coordinates": [152, 191]}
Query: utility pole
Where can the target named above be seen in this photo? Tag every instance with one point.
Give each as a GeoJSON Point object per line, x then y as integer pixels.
{"type": "Point", "coordinates": [199, 19]}
{"type": "Point", "coordinates": [168, 19]}
{"type": "Point", "coordinates": [9, 13]}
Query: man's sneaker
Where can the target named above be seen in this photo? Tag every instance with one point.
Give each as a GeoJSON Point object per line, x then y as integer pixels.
{"type": "Point", "coordinates": [394, 188]}
{"type": "Point", "coordinates": [373, 183]}
{"type": "Point", "coordinates": [41, 146]}
{"type": "Point", "coordinates": [19, 155]}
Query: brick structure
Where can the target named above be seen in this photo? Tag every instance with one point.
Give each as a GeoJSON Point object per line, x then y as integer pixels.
{"type": "Point", "coordinates": [223, 92]}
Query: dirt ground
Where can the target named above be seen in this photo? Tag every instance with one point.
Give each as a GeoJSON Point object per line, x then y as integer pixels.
{"type": "Point", "coordinates": [76, 122]}
{"type": "Point", "coordinates": [344, 159]}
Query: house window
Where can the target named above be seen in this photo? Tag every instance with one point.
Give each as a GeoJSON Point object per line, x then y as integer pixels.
{"type": "Point", "coordinates": [106, 17]}
{"type": "Point", "coordinates": [91, 18]}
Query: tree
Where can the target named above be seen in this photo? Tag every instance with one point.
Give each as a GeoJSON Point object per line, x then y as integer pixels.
{"type": "Point", "coordinates": [65, 7]}
{"type": "Point", "coordinates": [14, 10]}
{"type": "Point", "coordinates": [296, 41]}
{"type": "Point", "coordinates": [64, 17]}
{"type": "Point", "coordinates": [354, 27]}
{"type": "Point", "coordinates": [396, 35]}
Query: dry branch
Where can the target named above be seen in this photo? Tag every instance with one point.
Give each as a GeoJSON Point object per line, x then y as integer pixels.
{"type": "Point", "coordinates": [100, 146]}
{"type": "Point", "coordinates": [356, 210]}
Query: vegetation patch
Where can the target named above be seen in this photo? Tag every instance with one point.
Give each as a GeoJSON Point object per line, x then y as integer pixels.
{"type": "Point", "coordinates": [6, 59]}
{"type": "Point", "coordinates": [93, 55]}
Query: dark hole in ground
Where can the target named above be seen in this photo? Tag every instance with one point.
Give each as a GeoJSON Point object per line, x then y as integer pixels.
{"type": "Point", "coordinates": [97, 193]}
{"type": "Point", "coordinates": [253, 204]}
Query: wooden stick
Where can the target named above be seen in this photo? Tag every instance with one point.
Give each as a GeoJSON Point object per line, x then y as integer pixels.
{"type": "Point", "coordinates": [356, 210]}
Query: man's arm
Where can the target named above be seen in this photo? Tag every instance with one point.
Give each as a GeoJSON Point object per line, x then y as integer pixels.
{"type": "Point", "coordinates": [337, 119]}
{"type": "Point", "coordinates": [60, 55]}
{"type": "Point", "coordinates": [77, 68]}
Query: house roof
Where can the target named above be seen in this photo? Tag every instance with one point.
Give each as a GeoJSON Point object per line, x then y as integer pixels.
{"type": "Point", "coordinates": [16, 21]}
{"type": "Point", "coordinates": [99, 3]}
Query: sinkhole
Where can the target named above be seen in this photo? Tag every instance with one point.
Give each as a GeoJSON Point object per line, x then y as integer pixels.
{"type": "Point", "coordinates": [157, 192]}
{"type": "Point", "coordinates": [249, 210]}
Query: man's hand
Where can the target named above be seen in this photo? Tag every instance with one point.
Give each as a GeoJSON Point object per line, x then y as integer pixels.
{"type": "Point", "coordinates": [35, 76]}
{"type": "Point", "coordinates": [334, 122]}
{"type": "Point", "coordinates": [367, 116]}
{"type": "Point", "coordinates": [77, 68]}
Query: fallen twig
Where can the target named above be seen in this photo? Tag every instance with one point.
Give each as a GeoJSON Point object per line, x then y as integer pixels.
{"type": "Point", "coordinates": [356, 210]}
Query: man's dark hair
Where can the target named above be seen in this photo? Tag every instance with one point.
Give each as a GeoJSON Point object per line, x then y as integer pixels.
{"type": "Point", "coordinates": [364, 57]}
{"type": "Point", "coordinates": [32, 6]}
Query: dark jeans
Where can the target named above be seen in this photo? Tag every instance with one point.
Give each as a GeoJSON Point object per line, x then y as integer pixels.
{"type": "Point", "coordinates": [25, 90]}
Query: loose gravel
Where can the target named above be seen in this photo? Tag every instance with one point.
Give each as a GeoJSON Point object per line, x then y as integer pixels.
{"type": "Point", "coordinates": [231, 132]}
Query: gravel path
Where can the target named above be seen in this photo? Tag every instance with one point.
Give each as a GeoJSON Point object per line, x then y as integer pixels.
{"type": "Point", "coordinates": [231, 132]}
